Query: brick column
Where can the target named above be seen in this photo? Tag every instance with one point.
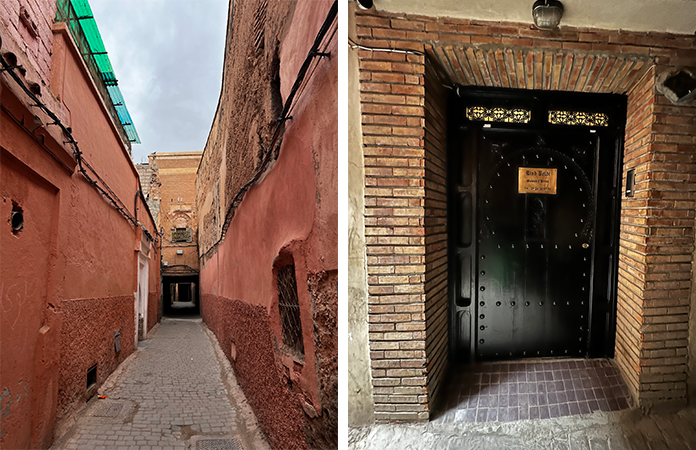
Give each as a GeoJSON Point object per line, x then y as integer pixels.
{"type": "Point", "coordinates": [435, 220]}
{"type": "Point", "coordinates": [393, 115]}
{"type": "Point", "coordinates": [656, 250]}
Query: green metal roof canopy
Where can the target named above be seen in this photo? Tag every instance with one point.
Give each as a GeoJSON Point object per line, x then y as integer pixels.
{"type": "Point", "coordinates": [77, 14]}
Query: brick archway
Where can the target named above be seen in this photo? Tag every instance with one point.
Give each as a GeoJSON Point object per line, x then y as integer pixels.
{"type": "Point", "coordinates": [405, 207]}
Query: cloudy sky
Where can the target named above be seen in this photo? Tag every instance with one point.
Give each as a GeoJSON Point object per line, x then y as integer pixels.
{"type": "Point", "coordinates": [167, 56]}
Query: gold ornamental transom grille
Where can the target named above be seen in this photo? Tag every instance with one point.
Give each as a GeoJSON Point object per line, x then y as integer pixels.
{"type": "Point", "coordinates": [578, 118]}
{"type": "Point", "coordinates": [497, 114]}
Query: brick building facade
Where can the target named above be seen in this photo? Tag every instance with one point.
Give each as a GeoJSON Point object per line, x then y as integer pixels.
{"type": "Point", "coordinates": [170, 193]}
{"type": "Point", "coordinates": [267, 203]}
{"type": "Point", "coordinates": [406, 65]}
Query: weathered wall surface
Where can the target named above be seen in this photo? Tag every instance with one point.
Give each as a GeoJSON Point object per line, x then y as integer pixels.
{"type": "Point", "coordinates": [289, 215]}
{"type": "Point", "coordinates": [245, 334]}
{"type": "Point", "coordinates": [657, 233]}
{"type": "Point", "coordinates": [675, 16]}
{"type": "Point", "coordinates": [28, 322]}
{"type": "Point", "coordinates": [68, 277]}
{"type": "Point", "coordinates": [150, 184]}
{"type": "Point", "coordinates": [32, 37]}
{"type": "Point", "coordinates": [249, 105]}
{"type": "Point", "coordinates": [92, 325]}
{"type": "Point", "coordinates": [176, 183]}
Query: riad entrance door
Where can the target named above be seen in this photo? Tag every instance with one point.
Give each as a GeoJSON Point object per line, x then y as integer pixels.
{"type": "Point", "coordinates": [534, 199]}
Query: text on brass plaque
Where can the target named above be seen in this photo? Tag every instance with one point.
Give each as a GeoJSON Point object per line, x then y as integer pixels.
{"type": "Point", "coordinates": [537, 180]}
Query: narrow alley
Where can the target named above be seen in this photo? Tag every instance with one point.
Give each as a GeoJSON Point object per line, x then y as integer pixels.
{"type": "Point", "coordinates": [182, 294]}
{"type": "Point", "coordinates": [170, 394]}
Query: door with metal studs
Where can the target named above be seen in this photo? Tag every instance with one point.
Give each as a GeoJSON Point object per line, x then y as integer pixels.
{"type": "Point", "coordinates": [533, 201]}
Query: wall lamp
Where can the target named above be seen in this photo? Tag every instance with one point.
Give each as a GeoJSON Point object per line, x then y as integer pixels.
{"type": "Point", "coordinates": [547, 14]}
{"type": "Point", "coordinates": [365, 4]}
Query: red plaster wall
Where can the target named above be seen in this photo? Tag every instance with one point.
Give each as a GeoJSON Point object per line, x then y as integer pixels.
{"type": "Point", "coordinates": [25, 303]}
{"type": "Point", "coordinates": [154, 314]}
{"type": "Point", "coordinates": [292, 210]}
{"type": "Point", "coordinates": [67, 279]}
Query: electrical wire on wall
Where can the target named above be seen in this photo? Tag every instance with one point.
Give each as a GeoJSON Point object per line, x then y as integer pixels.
{"type": "Point", "coordinates": [354, 45]}
{"type": "Point", "coordinates": [99, 184]}
{"type": "Point", "coordinates": [316, 53]}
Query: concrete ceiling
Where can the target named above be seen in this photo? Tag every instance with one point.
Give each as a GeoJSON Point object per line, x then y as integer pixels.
{"type": "Point", "coordinates": [674, 16]}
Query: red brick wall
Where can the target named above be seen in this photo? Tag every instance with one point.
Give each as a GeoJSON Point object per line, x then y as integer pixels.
{"type": "Point", "coordinates": [657, 238]}
{"type": "Point", "coordinates": [404, 195]}
{"type": "Point", "coordinates": [436, 304]}
{"type": "Point", "coordinates": [393, 117]}
{"type": "Point", "coordinates": [176, 176]}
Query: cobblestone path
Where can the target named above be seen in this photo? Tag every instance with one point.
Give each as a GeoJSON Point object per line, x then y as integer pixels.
{"type": "Point", "coordinates": [622, 430]}
{"type": "Point", "coordinates": [175, 392]}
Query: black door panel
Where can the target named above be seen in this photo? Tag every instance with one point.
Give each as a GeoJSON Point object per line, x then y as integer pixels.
{"type": "Point", "coordinates": [526, 280]}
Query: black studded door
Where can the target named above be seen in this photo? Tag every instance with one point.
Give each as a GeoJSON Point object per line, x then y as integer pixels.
{"type": "Point", "coordinates": [534, 195]}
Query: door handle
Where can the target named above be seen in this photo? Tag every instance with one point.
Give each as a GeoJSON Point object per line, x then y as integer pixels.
{"type": "Point", "coordinates": [609, 277]}
{"type": "Point", "coordinates": [464, 298]}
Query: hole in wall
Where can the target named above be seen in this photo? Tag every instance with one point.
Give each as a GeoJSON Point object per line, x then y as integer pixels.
{"type": "Point", "coordinates": [679, 87]}
{"type": "Point", "coordinates": [16, 218]}
{"type": "Point", "coordinates": [10, 57]}
{"type": "Point", "coordinates": [91, 377]}
{"type": "Point", "coordinates": [35, 88]}
{"type": "Point", "coordinates": [682, 84]}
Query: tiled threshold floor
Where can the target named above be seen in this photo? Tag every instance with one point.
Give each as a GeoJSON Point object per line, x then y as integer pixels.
{"type": "Point", "coordinates": [539, 389]}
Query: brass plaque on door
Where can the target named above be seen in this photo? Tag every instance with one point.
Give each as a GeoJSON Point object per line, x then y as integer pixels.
{"type": "Point", "coordinates": [534, 180]}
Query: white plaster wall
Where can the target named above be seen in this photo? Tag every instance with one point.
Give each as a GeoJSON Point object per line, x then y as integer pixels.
{"type": "Point", "coordinates": [360, 403]}
{"type": "Point", "coordinates": [674, 16]}
{"type": "Point", "coordinates": [691, 356]}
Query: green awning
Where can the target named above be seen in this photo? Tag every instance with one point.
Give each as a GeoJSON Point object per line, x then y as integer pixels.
{"type": "Point", "coordinates": [77, 14]}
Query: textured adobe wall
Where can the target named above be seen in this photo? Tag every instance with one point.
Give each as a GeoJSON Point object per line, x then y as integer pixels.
{"type": "Point", "coordinates": [322, 432]}
{"type": "Point", "coordinates": [291, 211]}
{"type": "Point", "coordinates": [246, 329]}
{"type": "Point", "coordinates": [249, 105]}
{"type": "Point", "coordinates": [36, 39]}
{"type": "Point", "coordinates": [92, 323]}
{"type": "Point", "coordinates": [68, 278]}
{"type": "Point", "coordinates": [154, 309]}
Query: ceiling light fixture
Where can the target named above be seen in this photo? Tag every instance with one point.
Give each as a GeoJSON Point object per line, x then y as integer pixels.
{"type": "Point", "coordinates": [547, 14]}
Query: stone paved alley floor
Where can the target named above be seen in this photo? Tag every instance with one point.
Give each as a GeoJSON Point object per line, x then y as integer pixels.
{"type": "Point", "coordinates": [621, 430]}
{"type": "Point", "coordinates": [176, 392]}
